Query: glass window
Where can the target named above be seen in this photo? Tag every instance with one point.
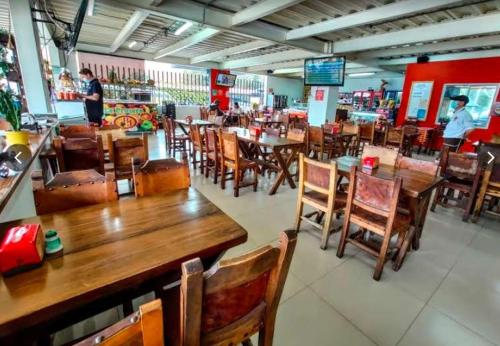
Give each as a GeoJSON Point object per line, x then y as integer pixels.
{"type": "Point", "coordinates": [481, 99]}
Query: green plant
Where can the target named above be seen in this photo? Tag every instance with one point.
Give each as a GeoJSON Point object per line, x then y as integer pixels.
{"type": "Point", "coordinates": [10, 110]}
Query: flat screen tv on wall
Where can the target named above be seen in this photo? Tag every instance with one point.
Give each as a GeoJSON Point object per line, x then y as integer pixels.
{"type": "Point", "coordinates": [327, 71]}
{"type": "Point", "coordinates": [225, 79]}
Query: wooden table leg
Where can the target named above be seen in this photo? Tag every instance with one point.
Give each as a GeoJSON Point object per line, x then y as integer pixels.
{"type": "Point", "coordinates": [285, 169]}
{"type": "Point", "coordinates": [404, 249]}
{"type": "Point", "coordinates": [420, 219]}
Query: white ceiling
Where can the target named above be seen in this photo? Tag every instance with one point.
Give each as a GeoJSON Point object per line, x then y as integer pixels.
{"type": "Point", "coordinates": [383, 35]}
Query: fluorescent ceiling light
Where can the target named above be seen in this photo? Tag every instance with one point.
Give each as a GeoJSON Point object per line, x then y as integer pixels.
{"type": "Point", "coordinates": [90, 7]}
{"type": "Point", "coordinates": [183, 28]}
{"type": "Point", "coordinates": [361, 74]}
{"type": "Point", "coordinates": [132, 44]}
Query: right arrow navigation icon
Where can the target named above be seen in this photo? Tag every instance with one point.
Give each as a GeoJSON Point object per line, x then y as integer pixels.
{"type": "Point", "coordinates": [491, 158]}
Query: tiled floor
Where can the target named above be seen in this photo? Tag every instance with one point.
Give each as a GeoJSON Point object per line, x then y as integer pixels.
{"type": "Point", "coordinates": [446, 293]}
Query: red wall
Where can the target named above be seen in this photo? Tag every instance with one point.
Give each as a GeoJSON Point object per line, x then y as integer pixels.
{"type": "Point", "coordinates": [221, 92]}
{"type": "Point", "coordinates": [485, 70]}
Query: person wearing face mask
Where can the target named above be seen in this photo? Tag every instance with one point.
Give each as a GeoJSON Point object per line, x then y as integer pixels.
{"type": "Point", "coordinates": [93, 98]}
{"type": "Point", "coordinates": [460, 124]}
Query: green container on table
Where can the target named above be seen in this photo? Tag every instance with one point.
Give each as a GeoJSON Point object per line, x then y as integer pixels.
{"type": "Point", "coordinates": [53, 242]}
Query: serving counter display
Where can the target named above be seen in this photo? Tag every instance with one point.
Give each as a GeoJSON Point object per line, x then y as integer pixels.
{"type": "Point", "coordinates": [130, 114]}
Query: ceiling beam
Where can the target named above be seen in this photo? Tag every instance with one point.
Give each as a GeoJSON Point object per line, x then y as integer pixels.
{"type": "Point", "coordinates": [242, 48]}
{"type": "Point", "coordinates": [275, 66]}
{"type": "Point", "coordinates": [219, 19]}
{"type": "Point", "coordinates": [444, 57]}
{"type": "Point", "coordinates": [133, 23]}
{"type": "Point", "coordinates": [260, 10]}
{"type": "Point", "coordinates": [493, 40]}
{"type": "Point", "coordinates": [458, 28]}
{"type": "Point", "coordinates": [377, 14]}
{"type": "Point", "coordinates": [266, 59]}
{"type": "Point", "coordinates": [200, 36]}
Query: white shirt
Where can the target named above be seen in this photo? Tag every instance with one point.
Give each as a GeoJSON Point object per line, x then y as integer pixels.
{"type": "Point", "coordinates": [460, 122]}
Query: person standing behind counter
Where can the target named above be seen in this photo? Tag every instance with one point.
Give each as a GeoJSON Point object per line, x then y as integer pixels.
{"type": "Point", "coordinates": [94, 102]}
{"type": "Point", "coordinates": [460, 125]}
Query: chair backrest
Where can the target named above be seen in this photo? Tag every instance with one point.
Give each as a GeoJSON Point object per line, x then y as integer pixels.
{"type": "Point", "coordinates": [196, 139]}
{"type": "Point", "coordinates": [211, 140]}
{"type": "Point", "coordinates": [367, 132]}
{"type": "Point", "coordinates": [349, 127]}
{"type": "Point", "coordinates": [77, 131]}
{"type": "Point", "coordinates": [167, 127]}
{"type": "Point", "coordinates": [318, 176]}
{"type": "Point", "coordinates": [296, 135]}
{"type": "Point", "coordinates": [332, 127]}
{"type": "Point", "coordinates": [373, 194]}
{"type": "Point", "coordinates": [74, 189]}
{"type": "Point", "coordinates": [211, 116]}
{"type": "Point", "coordinates": [387, 156]}
{"type": "Point", "coordinates": [426, 167]}
{"type": "Point", "coordinates": [123, 150]}
{"type": "Point", "coordinates": [237, 297]}
{"type": "Point", "coordinates": [485, 151]}
{"type": "Point", "coordinates": [79, 153]}
{"type": "Point", "coordinates": [228, 143]}
{"type": "Point", "coordinates": [160, 176]}
{"type": "Point", "coordinates": [109, 127]}
{"type": "Point", "coordinates": [219, 120]}
{"type": "Point", "coordinates": [460, 165]}
{"type": "Point", "coordinates": [203, 113]}
{"type": "Point", "coordinates": [394, 135]}
{"type": "Point", "coordinates": [316, 135]}
{"type": "Point", "coordinates": [144, 327]}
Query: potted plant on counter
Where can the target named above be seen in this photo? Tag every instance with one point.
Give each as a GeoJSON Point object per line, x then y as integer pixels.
{"type": "Point", "coordinates": [11, 111]}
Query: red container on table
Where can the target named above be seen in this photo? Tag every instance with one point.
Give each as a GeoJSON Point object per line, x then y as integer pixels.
{"type": "Point", "coordinates": [21, 248]}
{"type": "Point", "coordinates": [370, 162]}
{"type": "Point", "coordinates": [254, 131]}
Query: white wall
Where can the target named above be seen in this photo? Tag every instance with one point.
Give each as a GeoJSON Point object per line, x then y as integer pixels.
{"type": "Point", "coordinates": [293, 88]}
{"type": "Point", "coordinates": [364, 83]}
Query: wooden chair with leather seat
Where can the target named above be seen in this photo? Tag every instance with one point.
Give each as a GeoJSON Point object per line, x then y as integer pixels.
{"type": "Point", "coordinates": [316, 142]}
{"type": "Point", "coordinates": [366, 134]}
{"type": "Point", "coordinates": [197, 147]}
{"type": "Point", "coordinates": [387, 156]}
{"type": "Point", "coordinates": [175, 140]}
{"type": "Point", "coordinates": [144, 327]}
{"type": "Point", "coordinates": [372, 205]}
{"type": "Point", "coordinates": [160, 176]}
{"type": "Point", "coordinates": [236, 298]}
{"type": "Point", "coordinates": [462, 173]}
{"type": "Point", "coordinates": [318, 188]}
{"type": "Point", "coordinates": [77, 131]}
{"type": "Point", "coordinates": [231, 158]}
{"type": "Point", "coordinates": [75, 154]}
{"type": "Point", "coordinates": [74, 189]}
{"type": "Point", "coordinates": [489, 189]}
{"type": "Point", "coordinates": [353, 145]}
{"type": "Point", "coordinates": [394, 137]}
{"type": "Point", "coordinates": [123, 151]}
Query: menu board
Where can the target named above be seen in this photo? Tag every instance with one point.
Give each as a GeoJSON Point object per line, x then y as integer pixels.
{"type": "Point", "coordinates": [324, 71]}
{"type": "Point", "coordinates": [418, 102]}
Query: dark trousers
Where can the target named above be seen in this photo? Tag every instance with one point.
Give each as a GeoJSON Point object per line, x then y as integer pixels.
{"type": "Point", "coordinates": [453, 143]}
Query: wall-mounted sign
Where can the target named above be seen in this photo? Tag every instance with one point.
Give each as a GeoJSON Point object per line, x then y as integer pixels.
{"type": "Point", "coordinates": [129, 115]}
{"type": "Point", "coordinates": [320, 95]}
{"type": "Point", "coordinates": [418, 102]}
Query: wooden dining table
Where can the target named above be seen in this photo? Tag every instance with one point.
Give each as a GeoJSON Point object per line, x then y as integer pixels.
{"type": "Point", "coordinates": [284, 151]}
{"type": "Point", "coordinates": [416, 189]}
{"type": "Point", "coordinates": [184, 124]}
{"type": "Point", "coordinates": [111, 252]}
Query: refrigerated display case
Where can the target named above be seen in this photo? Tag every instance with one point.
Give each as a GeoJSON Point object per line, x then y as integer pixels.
{"type": "Point", "coordinates": [366, 100]}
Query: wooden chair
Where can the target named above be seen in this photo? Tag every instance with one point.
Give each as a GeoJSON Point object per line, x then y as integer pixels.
{"type": "Point", "coordinates": [77, 131]}
{"type": "Point", "coordinates": [219, 121]}
{"type": "Point", "coordinates": [316, 142]}
{"type": "Point", "coordinates": [462, 173]}
{"type": "Point", "coordinates": [366, 134]}
{"type": "Point", "coordinates": [212, 152]}
{"type": "Point", "coordinates": [160, 176]}
{"type": "Point", "coordinates": [203, 113]}
{"type": "Point", "coordinates": [353, 145]}
{"type": "Point", "coordinates": [490, 184]}
{"type": "Point", "coordinates": [410, 134]}
{"type": "Point", "coordinates": [75, 154]}
{"type": "Point", "coordinates": [236, 298]}
{"type": "Point", "coordinates": [394, 137]}
{"type": "Point", "coordinates": [244, 121]}
{"type": "Point", "coordinates": [372, 205]}
{"type": "Point", "coordinates": [144, 327]}
{"type": "Point", "coordinates": [74, 189]}
{"type": "Point", "coordinates": [197, 147]}
{"type": "Point", "coordinates": [230, 158]}
{"type": "Point", "coordinates": [175, 140]}
{"type": "Point", "coordinates": [123, 151]}
{"type": "Point", "coordinates": [426, 167]}
{"type": "Point", "coordinates": [387, 156]}
{"type": "Point", "coordinates": [318, 188]}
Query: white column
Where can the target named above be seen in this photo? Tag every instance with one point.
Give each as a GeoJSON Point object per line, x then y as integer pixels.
{"type": "Point", "coordinates": [322, 105]}
{"type": "Point", "coordinates": [30, 58]}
